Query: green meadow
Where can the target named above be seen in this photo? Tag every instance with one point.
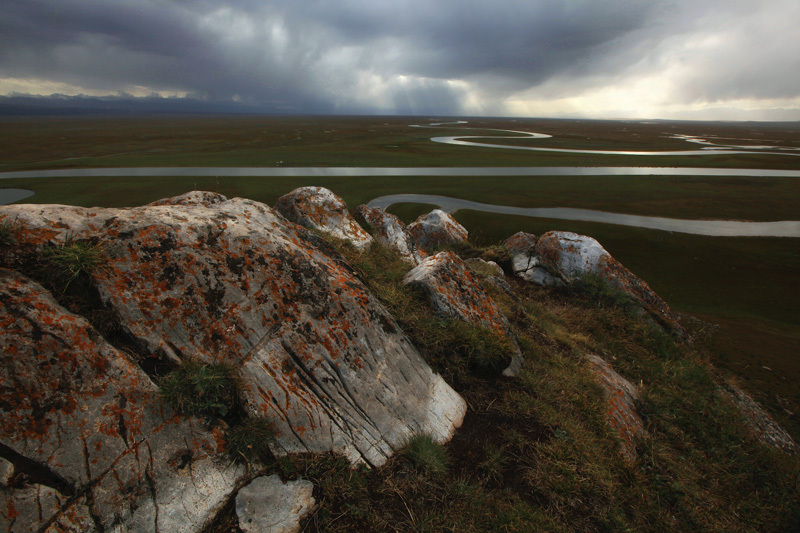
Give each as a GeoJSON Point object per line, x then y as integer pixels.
{"type": "Point", "coordinates": [744, 289]}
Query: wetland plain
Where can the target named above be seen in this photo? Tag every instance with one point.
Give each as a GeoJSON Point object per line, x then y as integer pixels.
{"type": "Point", "coordinates": [747, 287]}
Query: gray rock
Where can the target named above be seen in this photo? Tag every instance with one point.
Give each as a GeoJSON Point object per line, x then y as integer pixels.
{"type": "Point", "coordinates": [91, 418]}
{"type": "Point", "coordinates": [268, 505]}
{"type": "Point", "coordinates": [320, 209]}
{"type": "Point", "coordinates": [204, 277]}
{"type": "Point", "coordinates": [436, 229]}
{"type": "Point", "coordinates": [390, 231]}
{"type": "Point", "coordinates": [455, 292]}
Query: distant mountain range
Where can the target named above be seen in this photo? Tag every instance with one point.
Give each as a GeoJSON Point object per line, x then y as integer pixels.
{"type": "Point", "coordinates": [59, 104]}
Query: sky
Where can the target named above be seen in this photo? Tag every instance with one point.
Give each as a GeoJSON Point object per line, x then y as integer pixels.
{"type": "Point", "coordinates": [668, 59]}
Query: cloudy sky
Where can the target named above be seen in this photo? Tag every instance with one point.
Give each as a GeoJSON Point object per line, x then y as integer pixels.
{"type": "Point", "coordinates": [703, 59]}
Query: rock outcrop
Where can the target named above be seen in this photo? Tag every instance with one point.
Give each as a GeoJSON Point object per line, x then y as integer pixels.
{"type": "Point", "coordinates": [320, 209]}
{"type": "Point", "coordinates": [621, 413]}
{"type": "Point", "coordinates": [212, 279]}
{"type": "Point", "coordinates": [563, 258]}
{"type": "Point", "coordinates": [453, 291]}
{"type": "Point", "coordinates": [88, 423]}
{"type": "Point", "coordinates": [391, 232]}
{"type": "Point", "coordinates": [437, 228]}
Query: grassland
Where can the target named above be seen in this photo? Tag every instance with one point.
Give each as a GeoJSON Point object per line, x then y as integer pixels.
{"type": "Point", "coordinates": [747, 286]}
{"type": "Point", "coordinates": [31, 143]}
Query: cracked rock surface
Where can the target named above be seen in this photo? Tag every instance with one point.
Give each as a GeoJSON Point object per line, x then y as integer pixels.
{"type": "Point", "coordinates": [204, 277]}
{"type": "Point", "coordinates": [83, 417]}
{"type": "Point", "coordinates": [320, 209]}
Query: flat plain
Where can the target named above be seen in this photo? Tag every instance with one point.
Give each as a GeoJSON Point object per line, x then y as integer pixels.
{"type": "Point", "coordinates": [747, 287]}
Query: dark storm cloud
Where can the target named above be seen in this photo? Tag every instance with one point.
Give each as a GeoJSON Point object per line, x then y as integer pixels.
{"type": "Point", "coordinates": [404, 56]}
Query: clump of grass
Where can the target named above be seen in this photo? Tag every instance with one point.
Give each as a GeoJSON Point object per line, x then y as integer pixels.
{"type": "Point", "coordinates": [600, 291]}
{"type": "Point", "coordinates": [493, 462]}
{"type": "Point", "coordinates": [499, 254]}
{"type": "Point", "coordinates": [201, 389]}
{"type": "Point", "coordinates": [483, 349]}
{"type": "Point", "coordinates": [72, 259]}
{"type": "Point", "coordinates": [249, 442]}
{"type": "Point", "coordinates": [426, 454]}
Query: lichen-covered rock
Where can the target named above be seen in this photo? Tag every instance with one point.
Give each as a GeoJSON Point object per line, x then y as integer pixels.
{"type": "Point", "coordinates": [455, 292]}
{"type": "Point", "coordinates": [437, 228]}
{"type": "Point", "coordinates": [525, 263]}
{"type": "Point", "coordinates": [231, 280]}
{"type": "Point", "coordinates": [92, 420]}
{"type": "Point", "coordinates": [560, 257]}
{"type": "Point", "coordinates": [761, 423]}
{"type": "Point", "coordinates": [621, 413]}
{"type": "Point", "coordinates": [268, 505]}
{"type": "Point", "coordinates": [320, 209]}
{"type": "Point", "coordinates": [390, 231]}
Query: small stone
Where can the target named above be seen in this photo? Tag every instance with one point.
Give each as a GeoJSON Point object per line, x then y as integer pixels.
{"type": "Point", "coordinates": [6, 471]}
{"type": "Point", "coordinates": [268, 505]}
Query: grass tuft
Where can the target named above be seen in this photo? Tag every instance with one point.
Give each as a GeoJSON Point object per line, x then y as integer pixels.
{"type": "Point", "coordinates": [73, 259]}
{"type": "Point", "coordinates": [249, 442]}
{"type": "Point", "coordinates": [426, 454]}
{"type": "Point", "coordinates": [600, 291]}
{"type": "Point", "coordinates": [201, 389]}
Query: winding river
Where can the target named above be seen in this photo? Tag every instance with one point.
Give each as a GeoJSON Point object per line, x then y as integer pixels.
{"type": "Point", "coordinates": [713, 228]}
{"type": "Point", "coordinates": [728, 228]}
{"type": "Point", "coordinates": [710, 149]}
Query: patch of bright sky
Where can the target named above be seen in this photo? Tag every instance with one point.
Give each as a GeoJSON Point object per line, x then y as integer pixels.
{"type": "Point", "coordinates": [41, 87]}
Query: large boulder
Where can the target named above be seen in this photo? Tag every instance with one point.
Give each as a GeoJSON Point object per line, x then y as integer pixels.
{"type": "Point", "coordinates": [621, 396]}
{"type": "Point", "coordinates": [320, 209]}
{"type": "Point", "coordinates": [436, 229]}
{"type": "Point", "coordinates": [454, 292]}
{"type": "Point", "coordinates": [85, 421]}
{"type": "Point", "coordinates": [563, 258]}
{"type": "Point", "coordinates": [391, 232]}
{"type": "Point", "coordinates": [207, 278]}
